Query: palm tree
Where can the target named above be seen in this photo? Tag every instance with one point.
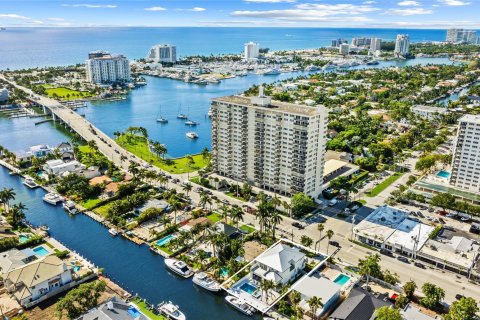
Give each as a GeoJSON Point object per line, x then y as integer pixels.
{"type": "Point", "coordinates": [187, 187]}
{"type": "Point", "coordinates": [204, 200]}
{"type": "Point", "coordinates": [294, 297]}
{"type": "Point", "coordinates": [165, 220]}
{"type": "Point", "coordinates": [330, 234]}
{"type": "Point", "coordinates": [287, 207]}
{"type": "Point", "coordinates": [299, 312]}
{"type": "Point", "coordinates": [17, 214]}
{"type": "Point", "coordinates": [175, 205]}
{"type": "Point", "coordinates": [236, 214]}
{"type": "Point", "coordinates": [6, 195]}
{"type": "Point", "coordinates": [224, 212]}
{"type": "Point", "coordinates": [275, 219]}
{"type": "Point", "coordinates": [264, 211]}
{"type": "Point", "coordinates": [133, 169]}
{"type": "Point", "coordinates": [275, 201]}
{"type": "Point", "coordinates": [265, 286]}
{"type": "Point", "coordinates": [314, 302]}
{"type": "Point", "coordinates": [320, 228]}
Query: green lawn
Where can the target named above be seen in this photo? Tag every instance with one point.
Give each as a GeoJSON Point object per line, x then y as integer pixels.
{"type": "Point", "coordinates": [384, 184]}
{"type": "Point", "coordinates": [143, 308]}
{"type": "Point", "coordinates": [232, 194]}
{"type": "Point", "coordinates": [139, 147]}
{"type": "Point", "coordinates": [214, 217]}
{"type": "Point", "coordinates": [65, 93]}
{"type": "Point", "coordinates": [90, 203]}
{"type": "Point", "coordinates": [247, 228]}
{"type": "Point", "coordinates": [103, 210]}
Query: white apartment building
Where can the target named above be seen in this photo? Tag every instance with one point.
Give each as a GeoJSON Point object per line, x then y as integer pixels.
{"type": "Point", "coordinates": [344, 49]}
{"type": "Point", "coordinates": [3, 95]}
{"type": "Point", "coordinates": [251, 51]}
{"type": "Point", "coordinates": [102, 67]}
{"type": "Point", "coordinates": [162, 53]}
{"type": "Point", "coordinates": [337, 42]}
{"type": "Point", "coordinates": [402, 45]}
{"type": "Point", "coordinates": [429, 112]}
{"type": "Point", "coordinates": [361, 42]}
{"type": "Point", "coordinates": [272, 145]}
{"type": "Point", "coordinates": [466, 155]}
{"type": "Point", "coordinates": [462, 36]}
{"type": "Point", "coordinates": [375, 45]}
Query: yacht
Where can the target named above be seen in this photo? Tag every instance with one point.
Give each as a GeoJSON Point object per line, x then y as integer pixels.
{"type": "Point", "coordinates": [29, 182]}
{"type": "Point", "coordinates": [240, 305]}
{"type": "Point", "coordinates": [242, 73]}
{"type": "Point", "coordinates": [312, 68]}
{"type": "Point", "coordinates": [192, 135]}
{"type": "Point", "coordinates": [179, 267]}
{"type": "Point", "coordinates": [52, 198]}
{"type": "Point", "coordinates": [191, 123]}
{"type": "Point", "coordinates": [113, 232]}
{"type": "Point", "coordinates": [372, 62]}
{"type": "Point", "coordinates": [171, 311]}
{"type": "Point", "coordinates": [203, 280]}
{"type": "Point", "coordinates": [182, 116]}
{"type": "Point", "coordinates": [69, 206]}
{"type": "Point", "coordinates": [271, 72]}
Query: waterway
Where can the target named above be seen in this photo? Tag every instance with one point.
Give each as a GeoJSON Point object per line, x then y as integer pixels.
{"type": "Point", "coordinates": [133, 267]}
{"type": "Point", "coordinates": [142, 107]}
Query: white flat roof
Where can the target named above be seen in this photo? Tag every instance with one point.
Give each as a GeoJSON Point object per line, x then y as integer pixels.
{"type": "Point", "coordinates": [407, 233]}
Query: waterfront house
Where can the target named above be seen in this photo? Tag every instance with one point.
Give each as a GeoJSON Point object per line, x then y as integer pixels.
{"type": "Point", "coordinates": [360, 305]}
{"type": "Point", "coordinates": [15, 258]}
{"type": "Point", "coordinates": [59, 167]}
{"type": "Point", "coordinates": [230, 231]}
{"type": "Point", "coordinates": [321, 287]}
{"type": "Point", "coordinates": [41, 278]}
{"type": "Point", "coordinates": [152, 203]}
{"type": "Point", "coordinates": [38, 151]}
{"type": "Point", "coordinates": [280, 264]}
{"type": "Point", "coordinates": [114, 309]}
{"type": "Point", "coordinates": [64, 147]}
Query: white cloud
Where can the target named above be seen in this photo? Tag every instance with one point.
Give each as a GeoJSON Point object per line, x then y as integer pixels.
{"type": "Point", "coordinates": [270, 1]}
{"type": "Point", "coordinates": [454, 2]}
{"type": "Point", "coordinates": [408, 12]}
{"type": "Point", "coordinates": [12, 16]}
{"type": "Point", "coordinates": [408, 3]}
{"type": "Point", "coordinates": [56, 19]}
{"type": "Point", "coordinates": [155, 9]}
{"type": "Point", "coordinates": [90, 6]}
{"type": "Point", "coordinates": [194, 9]}
{"type": "Point", "coordinates": [369, 2]}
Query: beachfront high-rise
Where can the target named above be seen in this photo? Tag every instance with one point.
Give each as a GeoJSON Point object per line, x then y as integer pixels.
{"type": "Point", "coordinates": [103, 67]}
{"type": "Point", "coordinates": [466, 155]}
{"type": "Point", "coordinates": [251, 51]}
{"type": "Point", "coordinates": [375, 45]}
{"type": "Point", "coordinates": [462, 36]}
{"type": "Point", "coordinates": [162, 53]}
{"type": "Point", "coordinates": [273, 145]}
{"type": "Point", "coordinates": [402, 45]}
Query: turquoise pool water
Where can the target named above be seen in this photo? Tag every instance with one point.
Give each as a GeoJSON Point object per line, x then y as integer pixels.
{"type": "Point", "coordinates": [165, 240]}
{"type": "Point", "coordinates": [134, 312]}
{"type": "Point", "coordinates": [224, 272]}
{"type": "Point", "coordinates": [248, 288]}
{"type": "Point", "coordinates": [23, 238]}
{"type": "Point", "coordinates": [443, 174]}
{"type": "Point", "coordinates": [341, 279]}
{"type": "Point", "coordinates": [76, 269]}
{"type": "Point", "coordinates": [41, 251]}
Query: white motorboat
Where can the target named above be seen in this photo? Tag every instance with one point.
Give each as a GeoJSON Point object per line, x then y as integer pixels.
{"type": "Point", "coordinates": [241, 305]}
{"type": "Point", "coordinates": [182, 116]}
{"type": "Point", "coordinates": [271, 72]}
{"type": "Point", "coordinates": [162, 120]}
{"type": "Point", "coordinates": [113, 232]}
{"type": "Point", "coordinates": [191, 123]}
{"type": "Point", "coordinates": [192, 135]}
{"type": "Point", "coordinates": [312, 68]}
{"type": "Point", "coordinates": [29, 182]}
{"type": "Point", "coordinates": [69, 206]}
{"type": "Point", "coordinates": [179, 267]}
{"type": "Point", "coordinates": [171, 311]}
{"type": "Point", "coordinates": [52, 198]}
{"type": "Point", "coordinates": [203, 280]}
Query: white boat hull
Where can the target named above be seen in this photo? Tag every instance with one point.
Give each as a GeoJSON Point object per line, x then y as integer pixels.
{"type": "Point", "coordinates": [234, 302]}
{"type": "Point", "coordinates": [170, 264]}
{"type": "Point", "coordinates": [212, 286]}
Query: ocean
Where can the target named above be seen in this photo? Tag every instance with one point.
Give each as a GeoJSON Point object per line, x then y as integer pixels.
{"type": "Point", "coordinates": [38, 47]}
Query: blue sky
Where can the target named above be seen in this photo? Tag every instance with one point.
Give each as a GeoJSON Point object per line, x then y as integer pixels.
{"type": "Point", "coordinates": [250, 13]}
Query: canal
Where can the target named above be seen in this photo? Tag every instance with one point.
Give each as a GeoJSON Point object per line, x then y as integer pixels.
{"type": "Point", "coordinates": [133, 267]}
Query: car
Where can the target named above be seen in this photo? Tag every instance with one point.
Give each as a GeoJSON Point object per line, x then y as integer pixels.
{"type": "Point", "coordinates": [465, 219]}
{"type": "Point", "coordinates": [332, 202]}
{"type": "Point", "coordinates": [334, 243]}
{"type": "Point", "coordinates": [421, 215]}
{"type": "Point", "coordinates": [431, 210]}
{"type": "Point", "coordinates": [116, 151]}
{"type": "Point", "coordinates": [459, 296]}
{"type": "Point", "coordinates": [441, 220]}
{"type": "Point", "coordinates": [403, 259]}
{"type": "Point", "coordinates": [198, 189]}
{"type": "Point", "coordinates": [354, 208]}
{"type": "Point", "coordinates": [298, 225]}
{"type": "Point", "coordinates": [386, 252]}
{"type": "Point", "coordinates": [413, 213]}
{"type": "Point", "coordinates": [419, 265]}
{"type": "Point", "coordinates": [320, 219]}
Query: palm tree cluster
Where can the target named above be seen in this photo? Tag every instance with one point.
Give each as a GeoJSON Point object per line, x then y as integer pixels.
{"type": "Point", "coordinates": [15, 213]}
{"type": "Point", "coordinates": [6, 154]}
{"type": "Point", "coordinates": [268, 216]}
{"type": "Point", "coordinates": [225, 251]}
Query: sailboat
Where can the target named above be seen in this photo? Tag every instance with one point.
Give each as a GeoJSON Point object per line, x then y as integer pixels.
{"type": "Point", "coordinates": [162, 119]}
{"type": "Point", "coordinates": [181, 115]}
{"type": "Point", "coordinates": [190, 122]}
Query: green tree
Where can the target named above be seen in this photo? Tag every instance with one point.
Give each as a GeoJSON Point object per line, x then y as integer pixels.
{"type": "Point", "coordinates": [330, 234]}
{"type": "Point", "coordinates": [301, 204]}
{"type": "Point", "coordinates": [320, 228]}
{"type": "Point", "coordinates": [409, 289]}
{"type": "Point", "coordinates": [463, 309]}
{"type": "Point", "coordinates": [187, 187]}
{"type": "Point", "coordinates": [236, 215]}
{"type": "Point", "coordinates": [433, 296]}
{"type": "Point", "coordinates": [443, 200]}
{"type": "Point", "coordinates": [79, 300]}
{"type": "Point", "coordinates": [388, 313]}
{"type": "Point", "coordinates": [370, 266]}
{"type": "Point", "coordinates": [314, 303]}
{"type": "Point", "coordinates": [306, 241]}
{"type": "Point", "coordinates": [6, 195]}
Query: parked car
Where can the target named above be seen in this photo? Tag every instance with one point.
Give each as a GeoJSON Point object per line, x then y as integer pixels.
{"type": "Point", "coordinates": [386, 252]}
{"type": "Point", "coordinates": [332, 202]}
{"type": "Point", "coordinates": [419, 265]}
{"type": "Point", "coordinates": [298, 225]}
{"type": "Point", "coordinates": [403, 259]}
{"type": "Point", "coordinates": [431, 209]}
{"type": "Point", "coordinates": [421, 215]}
{"type": "Point", "coordinates": [459, 296]}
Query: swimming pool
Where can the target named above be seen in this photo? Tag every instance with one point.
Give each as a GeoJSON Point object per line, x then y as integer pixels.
{"type": "Point", "coordinates": [23, 238]}
{"type": "Point", "coordinates": [134, 312]}
{"type": "Point", "coordinates": [41, 251]}
{"type": "Point", "coordinates": [341, 279]}
{"type": "Point", "coordinates": [165, 240]}
{"type": "Point", "coordinates": [224, 272]}
{"type": "Point", "coordinates": [248, 288]}
{"type": "Point", "coordinates": [443, 174]}
{"type": "Point", "coordinates": [76, 269]}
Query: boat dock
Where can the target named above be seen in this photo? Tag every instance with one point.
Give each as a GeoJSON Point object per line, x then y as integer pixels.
{"type": "Point", "coordinates": [9, 167]}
